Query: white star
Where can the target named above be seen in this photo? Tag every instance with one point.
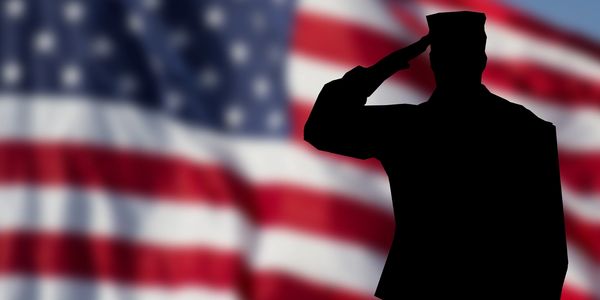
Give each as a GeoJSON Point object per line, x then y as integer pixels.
{"type": "Point", "coordinates": [234, 116]}
{"type": "Point", "coordinates": [258, 21]}
{"type": "Point", "coordinates": [209, 77]}
{"type": "Point", "coordinates": [173, 101]}
{"type": "Point", "coordinates": [44, 41]}
{"type": "Point", "coordinates": [127, 84]}
{"type": "Point", "coordinates": [73, 11]}
{"type": "Point", "coordinates": [11, 73]}
{"type": "Point", "coordinates": [274, 120]}
{"type": "Point", "coordinates": [70, 75]}
{"type": "Point", "coordinates": [152, 4]}
{"type": "Point", "coordinates": [14, 9]}
{"type": "Point", "coordinates": [102, 47]}
{"type": "Point", "coordinates": [261, 87]}
{"type": "Point", "coordinates": [179, 38]}
{"type": "Point", "coordinates": [135, 23]}
{"type": "Point", "coordinates": [214, 17]}
{"type": "Point", "coordinates": [239, 52]}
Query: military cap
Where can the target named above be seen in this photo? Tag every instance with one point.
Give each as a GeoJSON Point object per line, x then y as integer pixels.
{"type": "Point", "coordinates": [455, 29]}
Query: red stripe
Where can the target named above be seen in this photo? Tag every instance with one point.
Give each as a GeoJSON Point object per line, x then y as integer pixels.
{"type": "Point", "coordinates": [95, 258]}
{"type": "Point", "coordinates": [353, 45]}
{"type": "Point", "coordinates": [277, 286]}
{"type": "Point", "coordinates": [322, 36]}
{"type": "Point", "coordinates": [572, 293]}
{"type": "Point", "coordinates": [547, 84]}
{"type": "Point", "coordinates": [584, 234]}
{"type": "Point", "coordinates": [47, 254]}
{"type": "Point", "coordinates": [350, 44]}
{"type": "Point", "coordinates": [522, 22]}
{"type": "Point", "coordinates": [581, 171]}
{"type": "Point", "coordinates": [279, 204]}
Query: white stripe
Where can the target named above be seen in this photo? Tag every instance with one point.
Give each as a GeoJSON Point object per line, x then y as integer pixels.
{"type": "Point", "coordinates": [134, 218]}
{"type": "Point", "coordinates": [334, 263]}
{"type": "Point", "coordinates": [307, 75]}
{"type": "Point", "coordinates": [585, 207]}
{"type": "Point", "coordinates": [578, 128]}
{"type": "Point", "coordinates": [583, 273]}
{"type": "Point", "coordinates": [54, 288]}
{"type": "Point", "coordinates": [502, 43]}
{"type": "Point", "coordinates": [363, 12]}
{"type": "Point", "coordinates": [119, 125]}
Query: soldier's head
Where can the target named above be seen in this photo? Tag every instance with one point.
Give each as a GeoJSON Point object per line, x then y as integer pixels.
{"type": "Point", "coordinates": [457, 48]}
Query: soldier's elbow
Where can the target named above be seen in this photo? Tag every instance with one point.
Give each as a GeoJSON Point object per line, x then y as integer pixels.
{"type": "Point", "coordinates": [309, 133]}
{"type": "Point", "coordinates": [317, 138]}
{"type": "Point", "coordinates": [312, 137]}
{"type": "Point", "coordinates": [314, 130]}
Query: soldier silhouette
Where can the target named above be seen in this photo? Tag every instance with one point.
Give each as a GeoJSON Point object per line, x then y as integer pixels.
{"type": "Point", "coordinates": [474, 178]}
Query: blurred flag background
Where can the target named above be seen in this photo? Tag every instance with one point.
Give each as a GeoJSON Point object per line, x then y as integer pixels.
{"type": "Point", "coordinates": [153, 149]}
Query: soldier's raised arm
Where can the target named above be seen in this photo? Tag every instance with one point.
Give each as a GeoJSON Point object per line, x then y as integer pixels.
{"type": "Point", "coordinates": [339, 121]}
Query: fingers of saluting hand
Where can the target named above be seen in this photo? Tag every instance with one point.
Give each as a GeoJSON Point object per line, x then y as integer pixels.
{"type": "Point", "coordinates": [416, 48]}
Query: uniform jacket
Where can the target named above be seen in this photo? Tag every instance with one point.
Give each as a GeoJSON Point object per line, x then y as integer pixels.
{"type": "Point", "coordinates": [475, 186]}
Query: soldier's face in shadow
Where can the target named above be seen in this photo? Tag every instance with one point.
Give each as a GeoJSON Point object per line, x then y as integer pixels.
{"type": "Point", "coordinates": [457, 64]}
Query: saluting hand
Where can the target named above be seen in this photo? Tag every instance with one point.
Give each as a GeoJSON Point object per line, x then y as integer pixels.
{"type": "Point", "coordinates": [369, 79]}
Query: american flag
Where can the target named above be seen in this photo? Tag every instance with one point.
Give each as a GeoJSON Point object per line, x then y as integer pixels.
{"type": "Point", "coordinates": [153, 149]}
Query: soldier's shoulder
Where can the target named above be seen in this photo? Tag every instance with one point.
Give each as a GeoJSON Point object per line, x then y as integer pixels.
{"type": "Point", "coordinates": [518, 111]}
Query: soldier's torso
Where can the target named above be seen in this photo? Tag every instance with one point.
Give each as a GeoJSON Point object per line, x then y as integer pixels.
{"type": "Point", "coordinates": [457, 177]}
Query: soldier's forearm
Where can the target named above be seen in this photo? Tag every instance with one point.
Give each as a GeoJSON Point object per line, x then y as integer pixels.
{"type": "Point", "coordinates": [398, 59]}
{"type": "Point", "coordinates": [384, 69]}
{"type": "Point", "coordinates": [366, 80]}
{"type": "Point", "coordinates": [390, 64]}
{"type": "Point", "coordinates": [361, 82]}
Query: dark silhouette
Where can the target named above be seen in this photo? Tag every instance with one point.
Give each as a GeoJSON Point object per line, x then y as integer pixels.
{"type": "Point", "coordinates": [475, 178]}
